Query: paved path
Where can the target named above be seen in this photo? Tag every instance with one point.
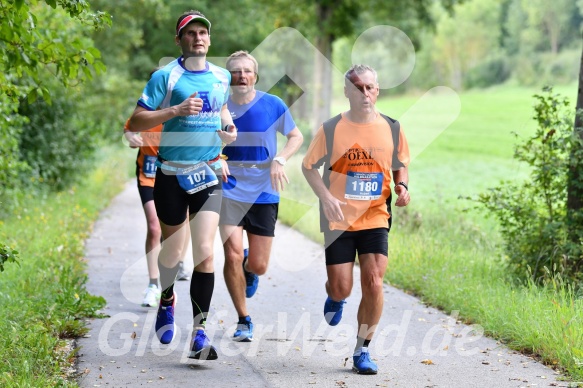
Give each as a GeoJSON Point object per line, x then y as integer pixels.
{"type": "Point", "coordinates": [415, 345]}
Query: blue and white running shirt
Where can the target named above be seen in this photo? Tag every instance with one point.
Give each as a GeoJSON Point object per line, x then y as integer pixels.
{"type": "Point", "coordinates": [258, 123]}
{"type": "Point", "coordinates": [188, 139]}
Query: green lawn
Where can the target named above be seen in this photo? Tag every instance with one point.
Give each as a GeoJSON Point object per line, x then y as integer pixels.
{"type": "Point", "coordinates": [452, 258]}
{"type": "Point", "coordinates": [44, 299]}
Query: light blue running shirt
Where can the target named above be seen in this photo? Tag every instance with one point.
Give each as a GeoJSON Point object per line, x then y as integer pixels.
{"type": "Point", "coordinates": [258, 123]}
{"type": "Point", "coordinates": [188, 139]}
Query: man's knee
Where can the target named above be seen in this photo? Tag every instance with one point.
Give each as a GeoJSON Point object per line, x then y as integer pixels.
{"type": "Point", "coordinates": [372, 283]}
{"type": "Point", "coordinates": [204, 250]}
{"type": "Point", "coordinates": [258, 267]}
{"type": "Point", "coordinates": [339, 290]}
{"type": "Point", "coordinates": [233, 258]}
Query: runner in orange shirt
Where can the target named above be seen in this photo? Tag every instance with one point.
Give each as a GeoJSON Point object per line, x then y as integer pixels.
{"type": "Point", "coordinates": [361, 150]}
{"type": "Point", "coordinates": [147, 143]}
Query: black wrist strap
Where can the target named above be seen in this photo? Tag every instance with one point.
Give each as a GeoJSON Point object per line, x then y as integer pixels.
{"type": "Point", "coordinates": [404, 185]}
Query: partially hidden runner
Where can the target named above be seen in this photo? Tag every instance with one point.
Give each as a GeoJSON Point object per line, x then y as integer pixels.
{"type": "Point", "coordinates": [147, 143]}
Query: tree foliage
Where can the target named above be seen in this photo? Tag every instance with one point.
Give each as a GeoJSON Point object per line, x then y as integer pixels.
{"type": "Point", "coordinates": [549, 23]}
{"type": "Point", "coordinates": [56, 143]}
{"type": "Point", "coordinates": [533, 214]}
{"type": "Point", "coordinates": [140, 30]}
{"type": "Point", "coordinates": [483, 43]}
{"type": "Point", "coordinates": [32, 39]}
{"type": "Point", "coordinates": [41, 43]}
{"type": "Point", "coordinates": [457, 52]}
{"type": "Point", "coordinates": [326, 21]}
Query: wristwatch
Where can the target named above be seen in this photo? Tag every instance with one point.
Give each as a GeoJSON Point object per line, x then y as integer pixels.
{"type": "Point", "coordinates": [404, 185]}
{"type": "Point", "coordinates": [280, 159]}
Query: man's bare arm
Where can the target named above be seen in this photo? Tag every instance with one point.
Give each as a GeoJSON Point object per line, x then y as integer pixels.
{"type": "Point", "coordinates": [143, 119]}
{"type": "Point", "coordinates": [330, 205]}
{"type": "Point", "coordinates": [401, 175]}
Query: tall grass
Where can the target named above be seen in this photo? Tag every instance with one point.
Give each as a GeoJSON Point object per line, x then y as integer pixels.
{"type": "Point", "coordinates": [453, 265]}
{"type": "Point", "coordinates": [453, 259]}
{"type": "Point", "coordinates": [44, 296]}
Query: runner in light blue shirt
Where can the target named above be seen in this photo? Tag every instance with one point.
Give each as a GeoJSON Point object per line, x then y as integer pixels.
{"type": "Point", "coordinates": [188, 139]}
{"type": "Point", "coordinates": [189, 96]}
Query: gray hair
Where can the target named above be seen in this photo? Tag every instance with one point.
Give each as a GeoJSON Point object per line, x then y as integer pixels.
{"type": "Point", "coordinates": [357, 70]}
{"type": "Point", "coordinates": [242, 54]}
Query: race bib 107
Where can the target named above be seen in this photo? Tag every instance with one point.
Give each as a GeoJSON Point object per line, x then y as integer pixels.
{"type": "Point", "coordinates": [196, 178]}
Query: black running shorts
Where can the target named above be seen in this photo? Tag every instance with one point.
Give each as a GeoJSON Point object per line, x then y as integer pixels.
{"type": "Point", "coordinates": [257, 219]}
{"type": "Point", "coordinates": [172, 201]}
{"type": "Point", "coordinates": [343, 246]}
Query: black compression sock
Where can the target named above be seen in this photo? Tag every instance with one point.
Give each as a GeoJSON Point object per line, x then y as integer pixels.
{"type": "Point", "coordinates": [201, 293]}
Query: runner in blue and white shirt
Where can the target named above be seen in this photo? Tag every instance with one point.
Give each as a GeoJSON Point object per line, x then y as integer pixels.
{"type": "Point", "coordinates": [251, 195]}
{"type": "Point", "coordinates": [189, 96]}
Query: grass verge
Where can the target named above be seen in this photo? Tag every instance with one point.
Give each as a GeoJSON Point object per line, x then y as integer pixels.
{"type": "Point", "coordinates": [452, 264]}
{"type": "Point", "coordinates": [43, 296]}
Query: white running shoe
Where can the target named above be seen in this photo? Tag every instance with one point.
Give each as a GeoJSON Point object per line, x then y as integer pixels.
{"type": "Point", "coordinates": [182, 274]}
{"type": "Point", "coordinates": [152, 296]}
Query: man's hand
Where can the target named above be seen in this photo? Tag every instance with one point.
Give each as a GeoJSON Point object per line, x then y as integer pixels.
{"type": "Point", "coordinates": [134, 139]}
{"type": "Point", "coordinates": [225, 169]}
{"type": "Point", "coordinates": [332, 209]}
{"type": "Point", "coordinates": [191, 106]}
{"type": "Point", "coordinates": [228, 136]}
{"type": "Point", "coordinates": [278, 176]}
{"type": "Point", "coordinates": [404, 197]}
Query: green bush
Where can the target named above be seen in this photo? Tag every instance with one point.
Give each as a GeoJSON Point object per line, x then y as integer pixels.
{"type": "Point", "coordinates": [490, 72]}
{"type": "Point", "coordinates": [533, 216]}
{"type": "Point", "coordinates": [546, 68]}
{"type": "Point", "coordinates": [55, 143]}
{"type": "Point", "coordinates": [564, 67]}
{"type": "Point", "coordinates": [11, 168]}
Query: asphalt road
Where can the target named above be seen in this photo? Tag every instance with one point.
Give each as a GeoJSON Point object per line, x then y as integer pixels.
{"type": "Point", "coordinates": [415, 345]}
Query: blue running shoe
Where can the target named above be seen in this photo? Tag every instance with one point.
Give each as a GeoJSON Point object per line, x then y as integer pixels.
{"type": "Point", "coordinates": [333, 311]}
{"type": "Point", "coordinates": [251, 279]}
{"type": "Point", "coordinates": [244, 332]}
{"type": "Point", "coordinates": [165, 322]}
{"type": "Point", "coordinates": [201, 347]}
{"type": "Point", "coordinates": [363, 365]}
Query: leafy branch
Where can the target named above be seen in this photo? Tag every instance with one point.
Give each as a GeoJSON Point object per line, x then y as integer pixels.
{"type": "Point", "coordinates": [7, 255]}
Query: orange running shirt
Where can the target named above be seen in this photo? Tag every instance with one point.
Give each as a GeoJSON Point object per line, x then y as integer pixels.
{"type": "Point", "coordinates": [148, 150]}
{"type": "Point", "coordinates": [361, 170]}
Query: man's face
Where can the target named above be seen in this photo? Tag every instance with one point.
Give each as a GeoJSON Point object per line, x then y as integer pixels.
{"type": "Point", "coordinates": [243, 76]}
{"type": "Point", "coordinates": [195, 40]}
{"type": "Point", "coordinates": [362, 92]}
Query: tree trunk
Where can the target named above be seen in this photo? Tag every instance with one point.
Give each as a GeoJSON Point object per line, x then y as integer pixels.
{"type": "Point", "coordinates": [554, 31]}
{"type": "Point", "coordinates": [575, 186]}
{"type": "Point", "coordinates": [322, 68]}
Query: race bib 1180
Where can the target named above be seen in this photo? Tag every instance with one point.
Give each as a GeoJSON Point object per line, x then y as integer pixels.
{"type": "Point", "coordinates": [363, 186]}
